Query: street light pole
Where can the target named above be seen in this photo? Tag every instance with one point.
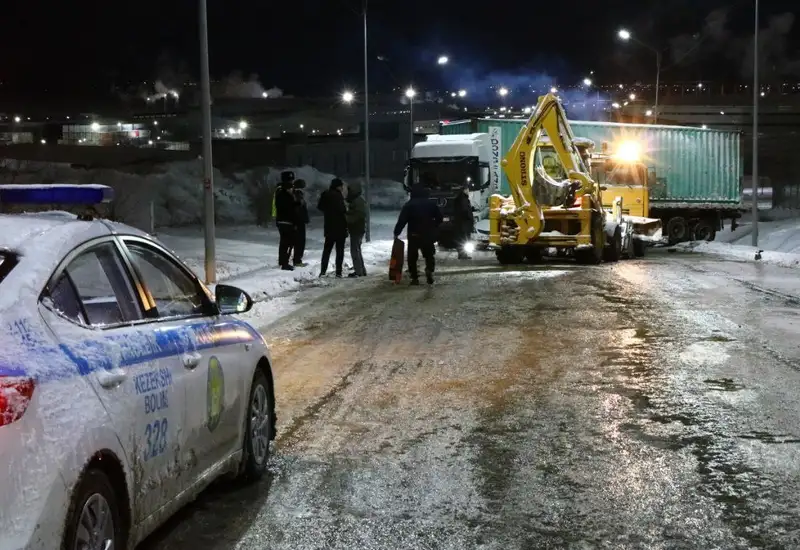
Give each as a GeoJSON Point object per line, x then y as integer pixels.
{"type": "Point", "coordinates": [208, 166]}
{"type": "Point", "coordinates": [411, 122]}
{"type": "Point", "coordinates": [658, 85]}
{"type": "Point", "coordinates": [366, 126]}
{"type": "Point", "coordinates": [755, 129]}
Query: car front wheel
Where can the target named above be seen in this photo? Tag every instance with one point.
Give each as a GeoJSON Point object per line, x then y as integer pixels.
{"type": "Point", "coordinates": [258, 434]}
{"type": "Point", "coordinates": [93, 521]}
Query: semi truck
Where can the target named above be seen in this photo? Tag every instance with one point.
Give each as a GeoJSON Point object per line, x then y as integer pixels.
{"type": "Point", "coordinates": [694, 176]}
{"type": "Point", "coordinates": [450, 165]}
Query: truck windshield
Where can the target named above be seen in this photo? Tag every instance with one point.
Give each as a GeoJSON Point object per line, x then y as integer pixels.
{"type": "Point", "coordinates": [626, 174]}
{"type": "Point", "coordinates": [444, 174]}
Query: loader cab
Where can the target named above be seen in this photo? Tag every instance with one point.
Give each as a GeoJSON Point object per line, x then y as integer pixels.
{"type": "Point", "coordinates": [622, 173]}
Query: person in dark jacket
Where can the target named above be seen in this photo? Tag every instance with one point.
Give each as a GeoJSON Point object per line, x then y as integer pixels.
{"type": "Point", "coordinates": [463, 222]}
{"type": "Point", "coordinates": [301, 222]}
{"type": "Point", "coordinates": [331, 204]}
{"type": "Point", "coordinates": [356, 226]}
{"type": "Point", "coordinates": [423, 219]}
{"type": "Point", "coordinates": [285, 218]}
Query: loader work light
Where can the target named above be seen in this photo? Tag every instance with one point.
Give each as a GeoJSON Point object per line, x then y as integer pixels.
{"type": "Point", "coordinates": [628, 151]}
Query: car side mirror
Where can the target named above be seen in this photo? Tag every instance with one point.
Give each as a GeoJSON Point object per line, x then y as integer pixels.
{"type": "Point", "coordinates": [232, 300]}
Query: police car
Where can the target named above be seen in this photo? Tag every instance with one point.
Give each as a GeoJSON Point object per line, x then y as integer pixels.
{"type": "Point", "coordinates": [126, 386]}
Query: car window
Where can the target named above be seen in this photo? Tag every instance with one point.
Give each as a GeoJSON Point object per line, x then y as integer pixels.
{"type": "Point", "coordinates": [64, 298]}
{"type": "Point", "coordinates": [102, 286]}
{"type": "Point", "coordinates": [174, 292]}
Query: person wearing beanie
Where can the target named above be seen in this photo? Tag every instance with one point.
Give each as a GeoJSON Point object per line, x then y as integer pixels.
{"type": "Point", "coordinates": [285, 218]}
{"type": "Point", "coordinates": [302, 220]}
{"type": "Point", "coordinates": [331, 204]}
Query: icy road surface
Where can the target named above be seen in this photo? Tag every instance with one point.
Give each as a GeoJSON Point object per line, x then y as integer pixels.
{"type": "Point", "coordinates": [647, 404]}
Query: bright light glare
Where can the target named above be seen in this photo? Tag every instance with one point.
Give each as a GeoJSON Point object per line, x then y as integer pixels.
{"type": "Point", "coordinates": [629, 151]}
{"type": "Point", "coordinates": [648, 112]}
{"type": "Point", "coordinates": [615, 105]}
{"type": "Point", "coordinates": [17, 119]}
{"type": "Point", "coordinates": [469, 247]}
{"type": "Point", "coordinates": [462, 93]}
{"type": "Point", "coordinates": [243, 125]}
{"type": "Point", "coordinates": [95, 126]}
{"type": "Point", "coordinates": [553, 90]}
{"type": "Point", "coordinates": [587, 81]}
{"type": "Point", "coordinates": [443, 59]}
{"type": "Point", "coordinates": [624, 34]}
{"type": "Point", "coordinates": [348, 97]}
{"type": "Point", "coordinates": [264, 94]}
{"type": "Point", "coordinates": [410, 93]}
{"type": "Point", "coordinates": [526, 110]}
{"type": "Point", "coordinates": [632, 97]}
{"type": "Point", "coordinates": [503, 91]}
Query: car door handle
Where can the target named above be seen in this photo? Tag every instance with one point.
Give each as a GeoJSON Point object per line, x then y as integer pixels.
{"type": "Point", "coordinates": [111, 378]}
{"type": "Point", "coordinates": [191, 359]}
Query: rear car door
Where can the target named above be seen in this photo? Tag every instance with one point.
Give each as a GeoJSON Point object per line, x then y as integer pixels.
{"type": "Point", "coordinates": [96, 313]}
{"type": "Point", "coordinates": [212, 344]}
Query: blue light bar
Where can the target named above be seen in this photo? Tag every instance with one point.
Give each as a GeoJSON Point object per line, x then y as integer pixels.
{"type": "Point", "coordinates": [57, 193]}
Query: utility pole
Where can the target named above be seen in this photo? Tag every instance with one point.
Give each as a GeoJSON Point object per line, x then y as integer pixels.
{"type": "Point", "coordinates": [208, 166]}
{"type": "Point", "coordinates": [366, 127]}
{"type": "Point", "coordinates": [756, 90]}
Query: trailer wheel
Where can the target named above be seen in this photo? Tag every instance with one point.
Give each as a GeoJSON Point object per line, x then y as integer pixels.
{"type": "Point", "coordinates": [704, 231]}
{"type": "Point", "coordinates": [677, 230]}
{"type": "Point", "coordinates": [613, 252]}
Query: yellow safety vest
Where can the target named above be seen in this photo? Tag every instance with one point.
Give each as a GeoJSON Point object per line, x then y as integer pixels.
{"type": "Point", "coordinates": [274, 208]}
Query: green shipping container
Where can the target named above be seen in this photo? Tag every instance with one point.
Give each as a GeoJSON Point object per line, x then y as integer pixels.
{"type": "Point", "coordinates": [694, 168]}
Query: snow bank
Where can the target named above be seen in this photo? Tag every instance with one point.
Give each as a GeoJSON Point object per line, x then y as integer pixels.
{"type": "Point", "coordinates": [176, 193]}
{"type": "Point", "coordinates": [742, 253]}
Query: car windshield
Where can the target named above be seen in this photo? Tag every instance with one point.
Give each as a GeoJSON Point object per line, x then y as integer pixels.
{"type": "Point", "coordinates": [441, 174]}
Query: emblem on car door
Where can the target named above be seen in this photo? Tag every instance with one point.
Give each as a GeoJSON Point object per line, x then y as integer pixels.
{"type": "Point", "coordinates": [215, 393]}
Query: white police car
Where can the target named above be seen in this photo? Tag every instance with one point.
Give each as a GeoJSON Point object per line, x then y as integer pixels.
{"type": "Point", "coordinates": [125, 388]}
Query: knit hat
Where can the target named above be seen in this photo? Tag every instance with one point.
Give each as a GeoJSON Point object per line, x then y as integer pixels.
{"type": "Point", "coordinates": [336, 183]}
{"type": "Point", "coordinates": [287, 176]}
{"type": "Point", "coordinates": [299, 184]}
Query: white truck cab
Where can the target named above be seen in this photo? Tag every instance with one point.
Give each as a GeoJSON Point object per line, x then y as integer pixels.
{"type": "Point", "coordinates": [452, 164]}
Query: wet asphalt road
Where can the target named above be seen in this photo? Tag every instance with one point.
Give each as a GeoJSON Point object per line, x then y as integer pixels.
{"type": "Point", "coordinates": [647, 404]}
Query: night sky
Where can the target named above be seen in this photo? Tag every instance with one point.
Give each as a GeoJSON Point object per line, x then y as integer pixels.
{"type": "Point", "coordinates": [314, 47]}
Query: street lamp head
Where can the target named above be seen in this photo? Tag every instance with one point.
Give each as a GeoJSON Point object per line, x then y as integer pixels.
{"type": "Point", "coordinates": [462, 93]}
{"type": "Point", "coordinates": [648, 112]}
{"type": "Point", "coordinates": [587, 81]}
{"type": "Point", "coordinates": [348, 97]}
{"type": "Point", "coordinates": [443, 60]}
{"type": "Point", "coordinates": [503, 92]}
{"type": "Point", "coordinates": [95, 126]}
{"type": "Point", "coordinates": [632, 97]}
{"type": "Point", "coordinates": [553, 90]}
{"type": "Point", "coordinates": [624, 34]}
{"type": "Point", "coordinates": [243, 125]}
{"type": "Point", "coordinates": [410, 93]}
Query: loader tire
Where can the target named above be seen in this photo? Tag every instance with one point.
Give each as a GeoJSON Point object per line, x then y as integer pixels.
{"type": "Point", "coordinates": [533, 255]}
{"type": "Point", "coordinates": [509, 255]}
{"type": "Point", "coordinates": [613, 252]}
{"type": "Point", "coordinates": [639, 248]}
{"type": "Point", "coordinates": [593, 255]}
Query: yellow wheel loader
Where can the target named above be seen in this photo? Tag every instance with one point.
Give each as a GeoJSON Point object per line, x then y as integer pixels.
{"type": "Point", "coordinates": [544, 213]}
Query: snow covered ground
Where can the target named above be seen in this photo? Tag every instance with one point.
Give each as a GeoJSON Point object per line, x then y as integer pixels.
{"type": "Point", "coordinates": [247, 257]}
{"type": "Point", "coordinates": [778, 238]}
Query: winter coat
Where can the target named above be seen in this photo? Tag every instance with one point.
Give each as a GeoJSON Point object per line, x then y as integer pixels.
{"type": "Point", "coordinates": [463, 219]}
{"type": "Point", "coordinates": [302, 207]}
{"type": "Point", "coordinates": [331, 204]}
{"type": "Point", "coordinates": [356, 210]}
{"type": "Point", "coordinates": [421, 215]}
{"type": "Point", "coordinates": [285, 207]}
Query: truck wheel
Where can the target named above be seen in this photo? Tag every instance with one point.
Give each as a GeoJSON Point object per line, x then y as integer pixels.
{"type": "Point", "coordinates": [613, 252]}
{"type": "Point", "coordinates": [639, 248]}
{"type": "Point", "coordinates": [704, 231]}
{"type": "Point", "coordinates": [677, 230]}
